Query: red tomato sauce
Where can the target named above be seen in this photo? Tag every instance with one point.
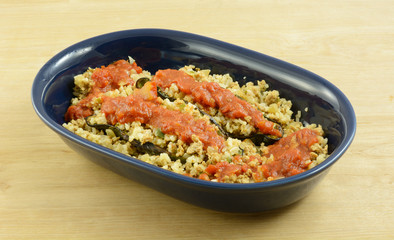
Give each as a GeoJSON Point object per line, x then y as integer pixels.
{"type": "Point", "coordinates": [290, 154]}
{"type": "Point", "coordinates": [113, 76]}
{"type": "Point", "coordinates": [105, 79]}
{"type": "Point", "coordinates": [210, 94]}
{"type": "Point", "coordinates": [142, 106]}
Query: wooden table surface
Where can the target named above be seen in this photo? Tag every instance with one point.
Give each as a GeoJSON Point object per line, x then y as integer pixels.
{"type": "Point", "coordinates": [47, 191]}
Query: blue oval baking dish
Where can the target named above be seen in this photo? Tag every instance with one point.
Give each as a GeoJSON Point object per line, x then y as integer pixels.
{"type": "Point", "coordinates": [155, 49]}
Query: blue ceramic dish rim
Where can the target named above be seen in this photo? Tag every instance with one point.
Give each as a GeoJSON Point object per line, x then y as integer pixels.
{"type": "Point", "coordinates": [40, 87]}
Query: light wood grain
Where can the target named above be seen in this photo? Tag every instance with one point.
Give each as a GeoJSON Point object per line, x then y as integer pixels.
{"type": "Point", "coordinates": [49, 192]}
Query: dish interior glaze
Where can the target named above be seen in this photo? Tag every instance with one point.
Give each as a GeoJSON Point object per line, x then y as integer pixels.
{"type": "Point", "coordinates": [155, 49]}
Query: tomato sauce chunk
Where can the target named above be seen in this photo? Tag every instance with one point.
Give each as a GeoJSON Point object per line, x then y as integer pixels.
{"type": "Point", "coordinates": [210, 94]}
{"type": "Point", "coordinates": [290, 154]}
{"type": "Point", "coordinates": [143, 107]}
{"type": "Point", "coordinates": [113, 76]}
{"type": "Point", "coordinates": [105, 79]}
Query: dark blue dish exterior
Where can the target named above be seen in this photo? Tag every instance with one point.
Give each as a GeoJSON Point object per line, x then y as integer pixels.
{"type": "Point", "coordinates": [155, 49]}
